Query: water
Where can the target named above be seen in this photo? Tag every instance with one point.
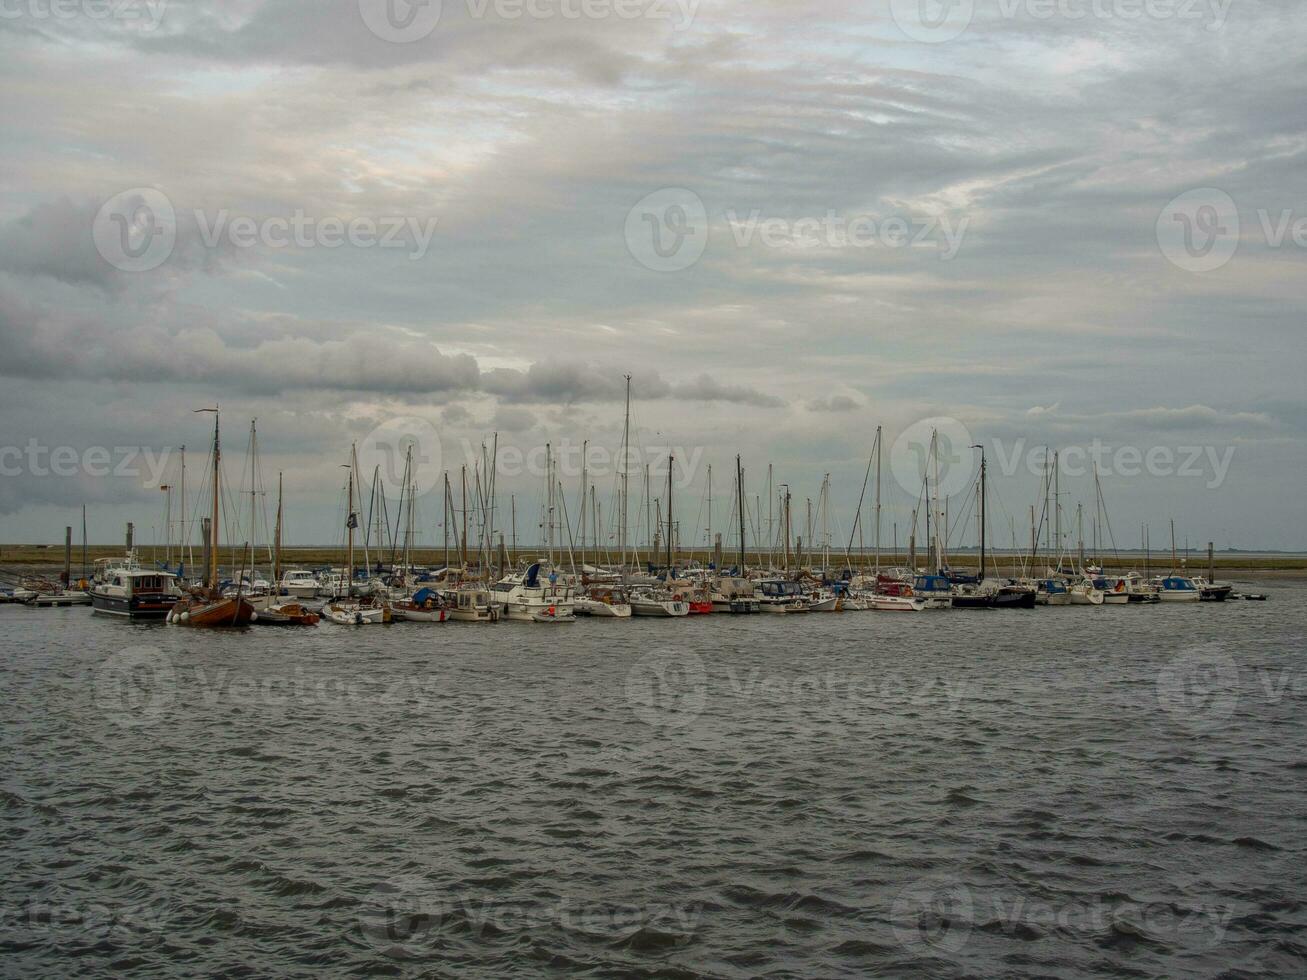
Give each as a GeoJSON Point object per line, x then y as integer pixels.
{"type": "Point", "coordinates": [1114, 790]}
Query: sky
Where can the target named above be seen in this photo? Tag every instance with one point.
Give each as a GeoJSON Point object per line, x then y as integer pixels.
{"type": "Point", "coordinates": [1077, 224]}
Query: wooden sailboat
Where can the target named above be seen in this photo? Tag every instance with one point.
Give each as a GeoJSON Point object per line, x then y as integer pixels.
{"type": "Point", "coordinates": [283, 611]}
{"type": "Point", "coordinates": [207, 606]}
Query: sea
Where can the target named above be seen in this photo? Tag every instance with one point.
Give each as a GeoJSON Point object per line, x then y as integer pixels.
{"type": "Point", "coordinates": [1107, 791]}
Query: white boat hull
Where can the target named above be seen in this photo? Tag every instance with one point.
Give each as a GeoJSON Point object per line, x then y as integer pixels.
{"type": "Point", "coordinates": [660, 607]}
{"type": "Point", "coordinates": [898, 603]}
{"type": "Point", "coordinates": [594, 607]}
{"type": "Point", "coordinates": [353, 615]}
{"type": "Point", "coordinates": [539, 612]}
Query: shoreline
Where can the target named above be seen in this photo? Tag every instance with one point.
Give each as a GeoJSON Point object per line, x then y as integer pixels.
{"type": "Point", "coordinates": [32, 559]}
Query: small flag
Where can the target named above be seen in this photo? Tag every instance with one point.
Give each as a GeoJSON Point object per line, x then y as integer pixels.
{"type": "Point", "coordinates": [353, 521]}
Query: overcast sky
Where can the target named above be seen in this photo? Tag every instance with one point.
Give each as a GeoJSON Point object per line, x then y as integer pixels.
{"type": "Point", "coordinates": [1073, 223]}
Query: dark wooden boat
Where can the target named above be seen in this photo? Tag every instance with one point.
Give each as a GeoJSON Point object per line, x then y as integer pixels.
{"type": "Point", "coordinates": [208, 607]}
{"type": "Point", "coordinates": [287, 614]}
{"type": "Point", "coordinates": [211, 611]}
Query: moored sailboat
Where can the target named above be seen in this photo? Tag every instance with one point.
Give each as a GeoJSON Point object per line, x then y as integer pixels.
{"type": "Point", "coordinates": [207, 606]}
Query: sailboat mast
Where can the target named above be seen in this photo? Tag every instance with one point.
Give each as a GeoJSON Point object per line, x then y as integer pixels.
{"type": "Point", "coordinates": [670, 461]}
{"type": "Point", "coordinates": [276, 540]}
{"type": "Point", "coordinates": [878, 433]}
{"type": "Point", "coordinates": [350, 523]}
{"type": "Point", "coordinates": [585, 449]}
{"type": "Point", "coordinates": [981, 575]}
{"type": "Point", "coordinates": [213, 523]}
{"type": "Point", "coordinates": [626, 472]}
{"type": "Point", "coordinates": [739, 503]}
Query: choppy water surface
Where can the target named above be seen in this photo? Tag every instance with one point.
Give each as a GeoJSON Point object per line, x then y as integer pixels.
{"type": "Point", "coordinates": [1115, 790]}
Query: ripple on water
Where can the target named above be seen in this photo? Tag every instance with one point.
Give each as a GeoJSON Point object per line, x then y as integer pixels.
{"type": "Point", "coordinates": [851, 795]}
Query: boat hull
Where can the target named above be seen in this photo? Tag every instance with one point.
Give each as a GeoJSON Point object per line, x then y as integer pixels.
{"type": "Point", "coordinates": [898, 603]}
{"type": "Point", "coordinates": [1016, 599]}
{"type": "Point", "coordinates": [138, 607]}
{"type": "Point", "coordinates": [534, 612]}
{"type": "Point", "coordinates": [212, 613]}
{"type": "Point", "coordinates": [47, 600]}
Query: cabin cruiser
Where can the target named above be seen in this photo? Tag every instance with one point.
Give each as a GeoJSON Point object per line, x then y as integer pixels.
{"type": "Point", "coordinates": [527, 599]}
{"type": "Point", "coordinates": [120, 587]}
{"type": "Point", "coordinates": [1052, 592]}
{"type": "Point", "coordinates": [298, 583]}
{"type": "Point", "coordinates": [937, 590]}
{"type": "Point", "coordinates": [733, 594]}
{"type": "Point", "coordinates": [1178, 588]}
{"type": "Point", "coordinates": [472, 604]}
{"type": "Point", "coordinates": [778, 595]}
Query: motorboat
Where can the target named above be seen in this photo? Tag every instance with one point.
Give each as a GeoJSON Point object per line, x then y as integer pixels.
{"type": "Point", "coordinates": [298, 583]}
{"type": "Point", "coordinates": [525, 598]}
{"type": "Point", "coordinates": [1178, 588]}
{"type": "Point", "coordinates": [472, 604]}
{"type": "Point", "coordinates": [123, 588]}
{"type": "Point", "coordinates": [778, 595]}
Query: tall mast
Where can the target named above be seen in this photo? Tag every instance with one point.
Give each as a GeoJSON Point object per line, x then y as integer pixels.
{"type": "Point", "coordinates": [981, 576]}
{"type": "Point", "coordinates": [351, 522]}
{"type": "Point", "coordinates": [254, 449]}
{"type": "Point", "coordinates": [462, 546]}
{"type": "Point", "coordinates": [276, 539]}
{"type": "Point", "coordinates": [670, 461]}
{"type": "Point", "coordinates": [585, 448]}
{"type": "Point", "coordinates": [739, 494]}
{"type": "Point", "coordinates": [444, 522]}
{"type": "Point", "coordinates": [1057, 505]}
{"type": "Point", "coordinates": [878, 433]}
{"type": "Point", "coordinates": [181, 552]}
{"type": "Point", "coordinates": [212, 570]}
{"type": "Point", "coordinates": [709, 510]}
{"type": "Point", "coordinates": [626, 473]}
